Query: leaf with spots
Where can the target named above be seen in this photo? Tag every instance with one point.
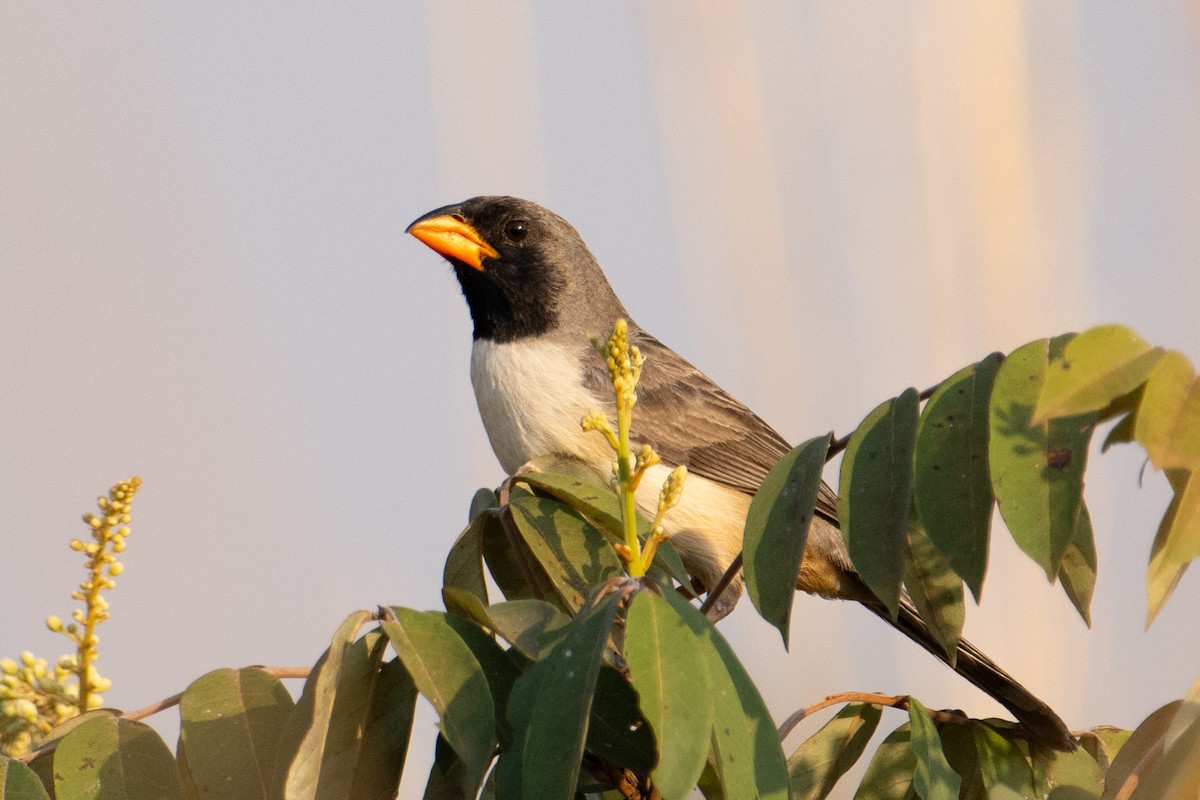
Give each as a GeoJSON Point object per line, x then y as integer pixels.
{"type": "Point", "coordinates": [115, 759]}
{"type": "Point", "coordinates": [1036, 468]}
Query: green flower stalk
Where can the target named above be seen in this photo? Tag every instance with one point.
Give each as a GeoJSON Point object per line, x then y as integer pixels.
{"type": "Point", "coordinates": [625, 369]}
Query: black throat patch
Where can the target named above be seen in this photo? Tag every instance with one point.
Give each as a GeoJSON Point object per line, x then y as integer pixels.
{"type": "Point", "coordinates": [511, 302]}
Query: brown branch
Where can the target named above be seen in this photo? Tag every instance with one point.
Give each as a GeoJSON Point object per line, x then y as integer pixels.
{"type": "Point", "coordinates": [715, 593]}
{"type": "Point", "coordinates": [837, 446]}
{"type": "Point", "coordinates": [894, 701]}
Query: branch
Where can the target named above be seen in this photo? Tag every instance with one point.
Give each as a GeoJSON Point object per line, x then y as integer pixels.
{"type": "Point", "coordinates": [894, 701]}
{"type": "Point", "coordinates": [168, 702]}
{"type": "Point", "coordinates": [715, 593]}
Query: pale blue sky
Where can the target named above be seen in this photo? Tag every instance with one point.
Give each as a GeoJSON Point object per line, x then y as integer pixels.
{"type": "Point", "coordinates": [204, 280]}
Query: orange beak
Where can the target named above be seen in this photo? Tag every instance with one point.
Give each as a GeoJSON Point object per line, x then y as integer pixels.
{"type": "Point", "coordinates": [451, 236]}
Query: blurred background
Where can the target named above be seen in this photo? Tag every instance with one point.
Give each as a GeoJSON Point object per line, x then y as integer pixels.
{"type": "Point", "coordinates": [204, 281]}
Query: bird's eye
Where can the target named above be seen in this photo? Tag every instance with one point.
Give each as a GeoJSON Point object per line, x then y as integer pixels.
{"type": "Point", "coordinates": [516, 230]}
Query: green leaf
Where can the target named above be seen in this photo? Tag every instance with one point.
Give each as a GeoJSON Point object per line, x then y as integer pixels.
{"type": "Point", "coordinates": [19, 782]}
{"type": "Point", "coordinates": [1176, 774]}
{"type": "Point", "coordinates": [43, 761]}
{"type": "Point", "coordinates": [385, 734]}
{"type": "Point", "coordinates": [1067, 776]}
{"type": "Point", "coordinates": [876, 494]}
{"type": "Point", "coordinates": [1103, 743]}
{"type": "Point", "coordinates": [1187, 716]}
{"type": "Point", "coordinates": [574, 553]}
{"type": "Point", "coordinates": [1036, 469]}
{"type": "Point", "coordinates": [1077, 572]}
{"type": "Point", "coordinates": [710, 780]}
{"type": "Point", "coordinates": [889, 776]}
{"type": "Point", "coordinates": [550, 705]}
{"type": "Point", "coordinates": [951, 483]}
{"type": "Point", "coordinates": [348, 735]}
{"type": "Point", "coordinates": [482, 501]}
{"type": "Point", "coordinates": [824, 757]}
{"type": "Point", "coordinates": [936, 589]}
{"type": "Point", "coordinates": [1005, 770]}
{"type": "Point", "coordinates": [669, 671]}
{"type": "Point", "coordinates": [749, 758]}
{"type": "Point", "coordinates": [509, 561]}
{"type": "Point", "coordinates": [499, 669]}
{"type": "Point", "coordinates": [302, 743]}
{"type": "Point", "coordinates": [777, 528]}
{"type": "Point", "coordinates": [464, 562]}
{"type": "Point", "coordinates": [447, 775]}
{"type": "Point", "coordinates": [230, 723]}
{"type": "Point", "coordinates": [1176, 543]}
{"type": "Point", "coordinates": [958, 744]}
{"type": "Point", "coordinates": [1095, 368]}
{"type": "Point", "coordinates": [115, 759]}
{"type": "Point", "coordinates": [1121, 433]}
{"type": "Point", "coordinates": [1134, 753]}
{"type": "Point", "coordinates": [465, 604]}
{"type": "Point", "coordinates": [1168, 419]}
{"type": "Point", "coordinates": [528, 625]}
{"type": "Point", "coordinates": [449, 676]}
{"type": "Point", "coordinates": [933, 778]}
{"type": "Point", "coordinates": [577, 485]}
{"type": "Point", "coordinates": [1175, 771]}
{"type": "Point", "coordinates": [617, 729]}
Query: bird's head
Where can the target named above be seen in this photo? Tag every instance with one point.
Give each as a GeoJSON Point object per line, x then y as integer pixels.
{"type": "Point", "coordinates": [523, 269]}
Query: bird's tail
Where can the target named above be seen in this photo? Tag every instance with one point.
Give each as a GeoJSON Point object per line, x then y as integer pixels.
{"type": "Point", "coordinates": [1043, 727]}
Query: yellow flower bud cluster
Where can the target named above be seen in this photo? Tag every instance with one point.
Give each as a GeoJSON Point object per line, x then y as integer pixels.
{"type": "Point", "coordinates": [624, 365]}
{"type": "Point", "coordinates": [596, 421]}
{"type": "Point", "coordinates": [668, 498]}
{"type": "Point", "coordinates": [35, 698]}
{"type": "Point", "coordinates": [672, 490]}
{"type": "Point", "coordinates": [109, 530]}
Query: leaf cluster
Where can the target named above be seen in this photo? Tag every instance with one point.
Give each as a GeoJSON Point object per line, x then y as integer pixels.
{"type": "Point", "coordinates": [580, 681]}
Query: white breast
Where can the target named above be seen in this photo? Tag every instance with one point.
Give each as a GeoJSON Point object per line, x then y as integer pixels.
{"type": "Point", "coordinates": [531, 401]}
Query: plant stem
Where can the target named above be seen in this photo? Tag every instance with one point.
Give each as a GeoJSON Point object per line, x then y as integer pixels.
{"type": "Point", "coordinates": [637, 567]}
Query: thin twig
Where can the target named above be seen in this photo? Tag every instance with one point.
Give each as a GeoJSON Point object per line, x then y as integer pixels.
{"type": "Point", "coordinates": [838, 445]}
{"type": "Point", "coordinates": [893, 701]}
{"type": "Point", "coordinates": [715, 593]}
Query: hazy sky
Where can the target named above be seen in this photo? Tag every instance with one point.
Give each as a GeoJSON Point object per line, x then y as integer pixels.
{"type": "Point", "coordinates": [204, 281]}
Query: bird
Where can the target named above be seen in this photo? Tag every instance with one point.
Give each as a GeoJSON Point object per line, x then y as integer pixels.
{"type": "Point", "coordinates": [538, 298]}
